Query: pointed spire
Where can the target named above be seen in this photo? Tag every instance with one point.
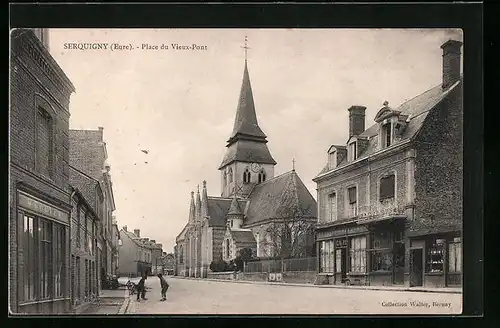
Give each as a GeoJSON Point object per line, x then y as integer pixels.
{"type": "Point", "coordinates": [192, 208]}
{"type": "Point", "coordinates": [234, 208]}
{"type": "Point", "coordinates": [246, 119]}
{"type": "Point", "coordinates": [198, 205]}
{"type": "Point", "coordinates": [204, 201]}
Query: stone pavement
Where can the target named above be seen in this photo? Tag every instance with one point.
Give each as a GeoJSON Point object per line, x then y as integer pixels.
{"type": "Point", "coordinates": [202, 296]}
{"type": "Point", "coordinates": [111, 302]}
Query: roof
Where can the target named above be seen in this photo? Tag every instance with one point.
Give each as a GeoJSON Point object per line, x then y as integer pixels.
{"type": "Point", "coordinates": [241, 236]}
{"type": "Point", "coordinates": [218, 207]}
{"type": "Point", "coordinates": [234, 208]}
{"type": "Point", "coordinates": [275, 197]}
{"type": "Point", "coordinates": [416, 109]}
{"type": "Point", "coordinates": [246, 120]}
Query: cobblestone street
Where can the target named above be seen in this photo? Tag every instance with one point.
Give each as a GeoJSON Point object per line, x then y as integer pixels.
{"type": "Point", "coordinates": [187, 296]}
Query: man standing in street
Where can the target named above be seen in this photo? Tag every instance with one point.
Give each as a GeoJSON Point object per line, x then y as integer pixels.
{"type": "Point", "coordinates": [164, 287]}
{"type": "Point", "coordinates": [141, 287]}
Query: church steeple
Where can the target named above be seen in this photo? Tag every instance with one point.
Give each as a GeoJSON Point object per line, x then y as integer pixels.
{"type": "Point", "coordinates": [192, 209]}
{"type": "Point", "coordinates": [204, 201]}
{"type": "Point", "coordinates": [198, 205]}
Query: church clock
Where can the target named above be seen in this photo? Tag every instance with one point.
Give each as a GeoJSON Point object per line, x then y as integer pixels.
{"type": "Point", "coordinates": [255, 167]}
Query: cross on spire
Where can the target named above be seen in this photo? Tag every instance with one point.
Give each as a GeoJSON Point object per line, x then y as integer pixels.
{"type": "Point", "coordinates": [246, 47]}
{"type": "Point", "coordinates": [293, 164]}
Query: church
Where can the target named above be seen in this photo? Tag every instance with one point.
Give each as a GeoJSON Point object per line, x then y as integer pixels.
{"type": "Point", "coordinates": [271, 215]}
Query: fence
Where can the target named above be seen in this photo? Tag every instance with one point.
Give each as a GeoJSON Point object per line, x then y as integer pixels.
{"type": "Point", "coordinates": [285, 265]}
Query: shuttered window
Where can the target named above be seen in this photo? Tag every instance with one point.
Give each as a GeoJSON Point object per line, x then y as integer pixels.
{"type": "Point", "coordinates": [352, 195]}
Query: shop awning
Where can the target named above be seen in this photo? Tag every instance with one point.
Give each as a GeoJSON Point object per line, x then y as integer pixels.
{"type": "Point", "coordinates": [382, 219]}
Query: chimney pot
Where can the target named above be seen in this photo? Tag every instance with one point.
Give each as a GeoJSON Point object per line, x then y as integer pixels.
{"type": "Point", "coordinates": [451, 62]}
{"type": "Point", "coordinates": [356, 120]}
{"type": "Point", "coordinates": [137, 232]}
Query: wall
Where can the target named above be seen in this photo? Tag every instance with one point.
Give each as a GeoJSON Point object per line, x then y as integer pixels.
{"type": "Point", "coordinates": [218, 237]}
{"type": "Point", "coordinates": [221, 275]}
{"type": "Point", "coordinates": [439, 169]}
{"type": "Point", "coordinates": [127, 262]}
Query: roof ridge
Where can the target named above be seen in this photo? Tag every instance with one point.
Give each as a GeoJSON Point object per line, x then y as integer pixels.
{"type": "Point", "coordinates": [83, 173]}
{"type": "Point", "coordinates": [274, 178]}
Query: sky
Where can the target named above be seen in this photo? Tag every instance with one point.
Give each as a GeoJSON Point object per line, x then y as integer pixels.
{"type": "Point", "coordinates": [180, 105]}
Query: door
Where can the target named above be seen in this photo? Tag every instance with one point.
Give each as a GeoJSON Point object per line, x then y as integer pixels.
{"type": "Point", "coordinates": [416, 267]}
{"type": "Point", "coordinates": [344, 263]}
{"type": "Point", "coordinates": [399, 263]}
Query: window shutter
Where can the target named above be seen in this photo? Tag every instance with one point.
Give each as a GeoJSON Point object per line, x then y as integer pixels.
{"type": "Point", "coordinates": [387, 187]}
{"type": "Point", "coordinates": [352, 195]}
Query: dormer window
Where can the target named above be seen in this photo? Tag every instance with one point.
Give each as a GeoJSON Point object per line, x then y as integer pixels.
{"type": "Point", "coordinates": [386, 135]}
{"type": "Point", "coordinates": [332, 159]}
{"type": "Point", "coordinates": [353, 155]}
{"type": "Point", "coordinates": [246, 176]}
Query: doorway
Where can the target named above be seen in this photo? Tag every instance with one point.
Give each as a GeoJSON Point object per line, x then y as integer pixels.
{"type": "Point", "coordinates": [398, 274]}
{"type": "Point", "coordinates": [343, 263]}
{"type": "Point", "coordinates": [416, 267]}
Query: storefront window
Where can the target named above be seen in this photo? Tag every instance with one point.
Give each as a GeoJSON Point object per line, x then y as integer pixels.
{"type": "Point", "coordinates": [435, 255]}
{"type": "Point", "coordinates": [358, 254]}
{"type": "Point", "coordinates": [455, 257]}
{"type": "Point", "coordinates": [381, 251]}
{"type": "Point", "coordinates": [338, 260]}
{"type": "Point", "coordinates": [327, 256]}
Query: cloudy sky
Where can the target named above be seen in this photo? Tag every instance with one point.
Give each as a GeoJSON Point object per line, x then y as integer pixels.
{"type": "Point", "coordinates": [180, 105]}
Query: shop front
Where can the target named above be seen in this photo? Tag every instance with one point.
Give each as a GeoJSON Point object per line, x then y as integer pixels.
{"type": "Point", "coordinates": [363, 252]}
{"type": "Point", "coordinates": [436, 260]}
{"type": "Point", "coordinates": [43, 255]}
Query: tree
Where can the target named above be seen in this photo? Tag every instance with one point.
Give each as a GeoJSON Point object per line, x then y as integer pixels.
{"type": "Point", "coordinates": [291, 233]}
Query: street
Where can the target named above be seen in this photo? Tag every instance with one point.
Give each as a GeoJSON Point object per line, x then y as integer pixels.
{"type": "Point", "coordinates": [187, 296]}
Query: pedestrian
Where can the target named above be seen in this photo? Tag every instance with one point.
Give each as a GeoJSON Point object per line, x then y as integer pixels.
{"type": "Point", "coordinates": [141, 288]}
{"type": "Point", "coordinates": [164, 287]}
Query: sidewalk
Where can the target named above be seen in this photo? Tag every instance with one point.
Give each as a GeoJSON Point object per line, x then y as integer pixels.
{"type": "Point", "coordinates": [110, 302]}
{"type": "Point", "coordinates": [449, 290]}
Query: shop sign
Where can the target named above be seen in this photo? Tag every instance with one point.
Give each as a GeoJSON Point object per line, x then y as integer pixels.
{"type": "Point", "coordinates": [357, 229]}
{"type": "Point", "coordinates": [31, 203]}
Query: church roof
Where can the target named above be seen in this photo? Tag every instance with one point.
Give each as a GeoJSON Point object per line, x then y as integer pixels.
{"type": "Point", "coordinates": [246, 119]}
{"type": "Point", "coordinates": [235, 208]}
{"type": "Point", "coordinates": [416, 109]}
{"type": "Point", "coordinates": [276, 197]}
{"type": "Point", "coordinates": [242, 236]}
{"type": "Point", "coordinates": [218, 207]}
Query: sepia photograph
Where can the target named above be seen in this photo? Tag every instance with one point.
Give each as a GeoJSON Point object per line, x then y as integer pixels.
{"type": "Point", "coordinates": [185, 171]}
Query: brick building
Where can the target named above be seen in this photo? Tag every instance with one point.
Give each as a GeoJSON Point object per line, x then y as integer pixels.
{"type": "Point", "coordinates": [88, 154]}
{"type": "Point", "coordinates": [85, 283]}
{"type": "Point", "coordinates": [390, 200]}
{"type": "Point", "coordinates": [39, 197]}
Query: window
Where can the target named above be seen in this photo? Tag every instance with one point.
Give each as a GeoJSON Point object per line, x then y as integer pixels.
{"type": "Point", "coordinates": [386, 135]}
{"type": "Point", "coordinates": [381, 252]}
{"type": "Point", "coordinates": [29, 259]}
{"type": "Point", "coordinates": [89, 236]}
{"type": "Point", "coordinates": [231, 223]}
{"type": "Point", "coordinates": [435, 255]}
{"type": "Point", "coordinates": [59, 260]}
{"type": "Point", "coordinates": [78, 276]}
{"type": "Point", "coordinates": [332, 159]}
{"type": "Point", "coordinates": [80, 217]}
{"type": "Point", "coordinates": [181, 254]}
{"type": "Point", "coordinates": [230, 175]}
{"type": "Point", "coordinates": [353, 151]}
{"type": "Point", "coordinates": [45, 246]}
{"type": "Point", "coordinates": [327, 256]}
{"type": "Point", "coordinates": [358, 254]}
{"type": "Point", "coordinates": [246, 176]}
{"type": "Point", "coordinates": [86, 278]}
{"type": "Point", "coordinates": [225, 178]}
{"type": "Point", "coordinates": [332, 206]}
{"type": "Point", "coordinates": [352, 206]}
{"type": "Point", "coordinates": [43, 143]}
{"type": "Point", "coordinates": [455, 257]}
{"type": "Point", "coordinates": [338, 260]}
{"type": "Point", "coordinates": [262, 176]}
{"type": "Point", "coordinates": [387, 187]}
{"type": "Point", "coordinates": [228, 251]}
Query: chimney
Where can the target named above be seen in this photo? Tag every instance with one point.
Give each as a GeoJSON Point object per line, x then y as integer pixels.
{"type": "Point", "coordinates": [451, 62]}
{"type": "Point", "coordinates": [137, 232]}
{"type": "Point", "coordinates": [153, 241]}
{"type": "Point", "coordinates": [124, 228]}
{"type": "Point", "coordinates": [356, 120]}
{"type": "Point", "coordinates": [146, 239]}
{"type": "Point", "coordinates": [160, 246]}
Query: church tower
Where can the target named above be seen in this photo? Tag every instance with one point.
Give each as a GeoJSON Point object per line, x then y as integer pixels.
{"type": "Point", "coordinates": [247, 160]}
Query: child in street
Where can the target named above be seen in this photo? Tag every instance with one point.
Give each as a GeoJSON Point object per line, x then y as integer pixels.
{"type": "Point", "coordinates": [164, 287]}
{"type": "Point", "coordinates": [141, 288]}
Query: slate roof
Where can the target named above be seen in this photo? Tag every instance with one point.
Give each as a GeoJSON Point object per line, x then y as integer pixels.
{"type": "Point", "coordinates": [272, 198]}
{"type": "Point", "coordinates": [242, 236]}
{"type": "Point", "coordinates": [416, 108]}
{"type": "Point", "coordinates": [247, 151]}
{"type": "Point", "coordinates": [235, 208]}
{"type": "Point", "coordinates": [217, 209]}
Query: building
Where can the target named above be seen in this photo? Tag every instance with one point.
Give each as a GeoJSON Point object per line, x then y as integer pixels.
{"type": "Point", "coordinates": [156, 256]}
{"type": "Point", "coordinates": [390, 200]}
{"type": "Point", "coordinates": [39, 195]}
{"type": "Point", "coordinates": [115, 247]}
{"type": "Point", "coordinates": [256, 209]}
{"type": "Point", "coordinates": [168, 263]}
{"type": "Point", "coordinates": [85, 284]}
{"type": "Point", "coordinates": [135, 254]}
{"type": "Point", "coordinates": [88, 154]}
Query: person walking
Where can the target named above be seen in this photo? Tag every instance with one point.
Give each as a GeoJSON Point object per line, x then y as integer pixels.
{"type": "Point", "coordinates": [164, 287]}
{"type": "Point", "coordinates": [141, 288]}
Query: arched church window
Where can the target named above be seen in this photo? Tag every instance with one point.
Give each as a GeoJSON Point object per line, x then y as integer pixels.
{"type": "Point", "coordinates": [246, 176]}
{"type": "Point", "coordinates": [225, 178]}
{"type": "Point", "coordinates": [262, 176]}
{"type": "Point", "coordinates": [228, 254]}
{"type": "Point", "coordinates": [230, 173]}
